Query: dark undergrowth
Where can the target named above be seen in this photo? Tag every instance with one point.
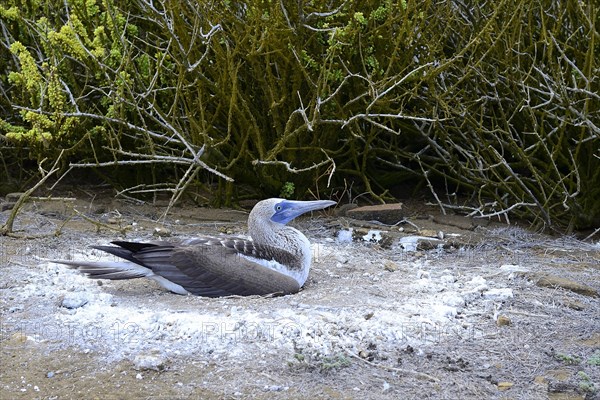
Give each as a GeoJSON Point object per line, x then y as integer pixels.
{"type": "Point", "coordinates": [492, 106]}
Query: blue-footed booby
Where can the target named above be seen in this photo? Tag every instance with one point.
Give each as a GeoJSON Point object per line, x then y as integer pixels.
{"type": "Point", "coordinates": [276, 260]}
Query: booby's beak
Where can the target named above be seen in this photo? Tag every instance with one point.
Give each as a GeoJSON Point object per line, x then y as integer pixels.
{"type": "Point", "coordinates": [287, 210]}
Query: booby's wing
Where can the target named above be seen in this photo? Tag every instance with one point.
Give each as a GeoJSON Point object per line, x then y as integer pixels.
{"type": "Point", "coordinates": [203, 266]}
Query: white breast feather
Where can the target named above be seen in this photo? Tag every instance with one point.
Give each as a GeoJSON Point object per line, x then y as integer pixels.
{"type": "Point", "coordinates": [299, 275]}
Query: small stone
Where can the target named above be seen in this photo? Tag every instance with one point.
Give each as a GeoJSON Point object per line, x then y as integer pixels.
{"type": "Point", "coordinates": [13, 197]}
{"type": "Point", "coordinates": [560, 374]}
{"type": "Point", "coordinates": [6, 206]}
{"type": "Point", "coordinates": [344, 236]}
{"type": "Point", "coordinates": [372, 236]}
{"type": "Point", "coordinates": [387, 213]}
{"type": "Point", "coordinates": [453, 300]}
{"type": "Point", "coordinates": [422, 274]}
{"type": "Point", "coordinates": [458, 221]}
{"type": "Point", "coordinates": [498, 294]}
{"type": "Point", "coordinates": [18, 338]}
{"type": "Point", "coordinates": [344, 208]}
{"type": "Point", "coordinates": [512, 268]}
{"type": "Point", "coordinates": [73, 300]}
{"type": "Point", "coordinates": [161, 232]}
{"type": "Point", "coordinates": [503, 320]}
{"type": "Point", "coordinates": [427, 244]}
{"type": "Point", "coordinates": [154, 360]}
{"type": "Point", "coordinates": [555, 281]}
{"type": "Point", "coordinates": [275, 388]}
{"type": "Point", "coordinates": [429, 233]}
{"type": "Point", "coordinates": [390, 266]}
{"type": "Point", "coordinates": [505, 385]}
{"type": "Point", "coordinates": [50, 374]}
{"type": "Point", "coordinates": [139, 376]}
{"type": "Point", "coordinates": [575, 305]}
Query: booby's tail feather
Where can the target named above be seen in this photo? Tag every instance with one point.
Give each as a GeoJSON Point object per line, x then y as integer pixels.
{"type": "Point", "coordinates": [108, 269]}
{"type": "Point", "coordinates": [125, 250]}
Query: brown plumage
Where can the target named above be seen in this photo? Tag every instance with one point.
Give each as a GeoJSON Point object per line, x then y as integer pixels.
{"type": "Point", "coordinates": [276, 260]}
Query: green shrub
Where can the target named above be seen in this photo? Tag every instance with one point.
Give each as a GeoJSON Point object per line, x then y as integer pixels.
{"type": "Point", "coordinates": [494, 106]}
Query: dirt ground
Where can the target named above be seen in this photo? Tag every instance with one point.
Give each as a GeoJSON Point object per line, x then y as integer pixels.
{"type": "Point", "coordinates": [448, 311]}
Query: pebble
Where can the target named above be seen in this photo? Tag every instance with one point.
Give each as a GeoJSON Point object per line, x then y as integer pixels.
{"type": "Point", "coordinates": [340, 258]}
{"type": "Point", "coordinates": [512, 268]}
{"type": "Point", "coordinates": [575, 305]}
{"type": "Point", "coordinates": [504, 385]}
{"type": "Point", "coordinates": [429, 233]}
{"type": "Point", "coordinates": [372, 236]}
{"type": "Point", "coordinates": [161, 232]}
{"type": "Point", "coordinates": [503, 320]}
{"type": "Point", "coordinates": [453, 300]}
{"type": "Point", "coordinates": [73, 300]}
{"type": "Point", "coordinates": [6, 206]}
{"type": "Point", "coordinates": [387, 213]}
{"type": "Point", "coordinates": [477, 286]}
{"type": "Point", "coordinates": [477, 281]}
{"type": "Point", "coordinates": [345, 236]}
{"type": "Point", "coordinates": [13, 197]}
{"type": "Point", "coordinates": [153, 360]}
{"type": "Point", "coordinates": [556, 281]}
{"type": "Point", "coordinates": [390, 266]}
{"type": "Point", "coordinates": [444, 311]}
{"type": "Point", "coordinates": [498, 294]}
{"type": "Point", "coordinates": [275, 388]}
{"type": "Point", "coordinates": [422, 274]}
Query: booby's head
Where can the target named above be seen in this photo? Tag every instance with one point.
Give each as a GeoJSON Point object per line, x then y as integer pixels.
{"type": "Point", "coordinates": [286, 210]}
{"type": "Point", "coordinates": [281, 211]}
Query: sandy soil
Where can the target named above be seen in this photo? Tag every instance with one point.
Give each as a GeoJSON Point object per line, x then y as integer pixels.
{"type": "Point", "coordinates": [489, 312]}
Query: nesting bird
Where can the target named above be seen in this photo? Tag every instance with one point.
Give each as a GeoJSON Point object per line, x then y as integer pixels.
{"type": "Point", "coordinates": [276, 260]}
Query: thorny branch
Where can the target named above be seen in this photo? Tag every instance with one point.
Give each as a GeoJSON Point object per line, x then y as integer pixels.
{"type": "Point", "coordinates": [7, 228]}
{"type": "Point", "coordinates": [476, 101]}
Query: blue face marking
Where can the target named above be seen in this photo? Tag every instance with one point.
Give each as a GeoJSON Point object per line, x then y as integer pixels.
{"type": "Point", "coordinates": [284, 212]}
{"type": "Point", "coordinates": [287, 210]}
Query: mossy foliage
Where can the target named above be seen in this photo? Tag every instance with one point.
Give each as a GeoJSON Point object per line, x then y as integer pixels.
{"type": "Point", "coordinates": [495, 101]}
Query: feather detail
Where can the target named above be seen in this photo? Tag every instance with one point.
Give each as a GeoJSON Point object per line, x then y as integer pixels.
{"type": "Point", "coordinates": [277, 260]}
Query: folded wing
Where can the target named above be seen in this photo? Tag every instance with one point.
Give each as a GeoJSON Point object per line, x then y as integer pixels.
{"type": "Point", "coordinates": [203, 266]}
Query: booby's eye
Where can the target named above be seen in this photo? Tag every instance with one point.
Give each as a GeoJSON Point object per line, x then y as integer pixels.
{"type": "Point", "coordinates": [278, 207]}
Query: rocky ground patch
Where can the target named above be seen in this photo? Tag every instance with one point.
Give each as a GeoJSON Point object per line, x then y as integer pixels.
{"type": "Point", "coordinates": [434, 307]}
